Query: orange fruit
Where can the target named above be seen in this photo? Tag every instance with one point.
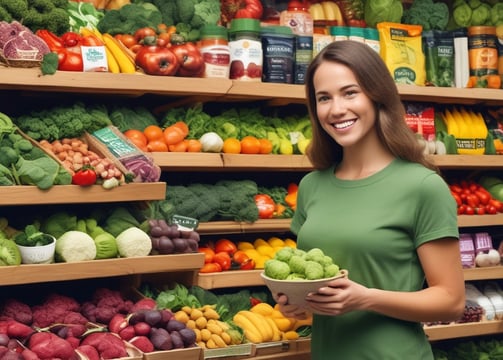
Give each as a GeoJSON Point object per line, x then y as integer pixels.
{"type": "Point", "coordinates": [231, 146]}
{"type": "Point", "coordinates": [136, 136]}
{"type": "Point", "coordinates": [153, 132]}
{"type": "Point", "coordinates": [265, 146]}
{"type": "Point", "coordinates": [157, 146]}
{"type": "Point", "coordinates": [139, 144]}
{"type": "Point", "coordinates": [250, 145]}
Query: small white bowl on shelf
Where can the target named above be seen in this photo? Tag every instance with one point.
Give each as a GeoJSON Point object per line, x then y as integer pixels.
{"type": "Point", "coordinates": [297, 290]}
{"type": "Point", "coordinates": [43, 254]}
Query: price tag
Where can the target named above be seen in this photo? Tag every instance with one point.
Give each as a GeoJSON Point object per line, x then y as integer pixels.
{"type": "Point", "coordinates": [185, 222]}
{"type": "Point", "coordinates": [94, 58]}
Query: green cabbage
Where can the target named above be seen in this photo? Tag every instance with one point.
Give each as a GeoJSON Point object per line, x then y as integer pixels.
{"type": "Point", "coordinates": [377, 11]}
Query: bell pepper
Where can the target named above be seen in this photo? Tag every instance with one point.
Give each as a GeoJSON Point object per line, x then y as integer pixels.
{"type": "Point", "coordinates": [266, 206]}
{"type": "Point", "coordinates": [291, 196]}
{"type": "Point", "coordinates": [69, 58]}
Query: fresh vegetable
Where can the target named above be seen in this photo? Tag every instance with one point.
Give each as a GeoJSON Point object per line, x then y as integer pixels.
{"type": "Point", "coordinates": [58, 223]}
{"type": "Point", "coordinates": [266, 206]}
{"type": "Point", "coordinates": [130, 18]}
{"type": "Point", "coordinates": [75, 245]}
{"type": "Point", "coordinates": [118, 220]}
{"type": "Point", "coordinates": [211, 142]}
{"type": "Point", "coordinates": [32, 236]}
{"type": "Point", "coordinates": [37, 14]}
{"type": "Point", "coordinates": [241, 9]}
{"type": "Point", "coordinates": [382, 11]}
{"type": "Point", "coordinates": [49, 64]}
{"type": "Point", "coordinates": [126, 63]}
{"type": "Point", "coordinates": [9, 252]}
{"type": "Point", "coordinates": [157, 60]}
{"type": "Point", "coordinates": [431, 15]}
{"type": "Point", "coordinates": [300, 265]}
{"type": "Point", "coordinates": [64, 121]}
{"type": "Point", "coordinates": [190, 59]}
{"type": "Point", "coordinates": [69, 56]}
{"type": "Point", "coordinates": [106, 245]}
{"type": "Point", "coordinates": [133, 242]}
{"type": "Point", "coordinates": [352, 12]}
{"type": "Point", "coordinates": [83, 14]}
{"type": "Point", "coordinates": [476, 13]}
{"type": "Point", "coordinates": [169, 239]}
{"type": "Point", "coordinates": [85, 176]}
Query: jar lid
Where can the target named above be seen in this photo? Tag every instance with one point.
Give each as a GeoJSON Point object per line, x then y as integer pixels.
{"type": "Point", "coordinates": [245, 25]}
{"type": "Point", "coordinates": [277, 30]}
{"type": "Point", "coordinates": [214, 31]}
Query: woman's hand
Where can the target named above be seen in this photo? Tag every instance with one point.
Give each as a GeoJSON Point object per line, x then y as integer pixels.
{"type": "Point", "coordinates": [291, 311]}
{"type": "Point", "coordinates": [340, 296]}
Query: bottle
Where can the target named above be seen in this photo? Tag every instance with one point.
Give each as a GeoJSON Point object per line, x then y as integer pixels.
{"type": "Point", "coordinates": [245, 50]}
{"type": "Point", "coordinates": [214, 47]}
{"type": "Point", "coordinates": [298, 18]}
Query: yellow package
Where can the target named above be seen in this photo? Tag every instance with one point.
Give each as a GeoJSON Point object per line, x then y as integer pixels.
{"type": "Point", "coordinates": [402, 51]}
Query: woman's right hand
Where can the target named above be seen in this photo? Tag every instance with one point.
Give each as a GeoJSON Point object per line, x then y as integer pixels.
{"type": "Point", "coordinates": [288, 310]}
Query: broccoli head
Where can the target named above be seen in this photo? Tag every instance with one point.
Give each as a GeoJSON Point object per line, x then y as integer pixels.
{"type": "Point", "coordinates": [129, 18]}
{"type": "Point", "coordinates": [16, 9]}
{"type": "Point", "coordinates": [47, 14]}
{"type": "Point", "coordinates": [276, 269]}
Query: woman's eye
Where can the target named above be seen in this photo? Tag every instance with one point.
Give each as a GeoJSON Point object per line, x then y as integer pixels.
{"type": "Point", "coordinates": [322, 98]}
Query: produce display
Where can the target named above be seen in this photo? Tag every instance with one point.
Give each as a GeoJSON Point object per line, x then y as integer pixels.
{"type": "Point", "coordinates": [472, 198]}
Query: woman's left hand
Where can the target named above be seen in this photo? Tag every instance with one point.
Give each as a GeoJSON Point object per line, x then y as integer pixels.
{"type": "Point", "coordinates": [340, 296]}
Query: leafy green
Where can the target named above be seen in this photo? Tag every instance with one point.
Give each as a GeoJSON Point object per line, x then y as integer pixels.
{"type": "Point", "coordinates": [382, 10]}
{"type": "Point", "coordinates": [129, 18]}
{"type": "Point", "coordinates": [83, 14]}
{"type": "Point", "coordinates": [427, 13]}
{"type": "Point", "coordinates": [175, 298]}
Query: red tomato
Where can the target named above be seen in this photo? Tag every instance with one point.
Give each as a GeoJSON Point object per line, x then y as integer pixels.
{"type": "Point", "coordinates": [210, 268]}
{"type": "Point", "coordinates": [240, 257]}
{"type": "Point", "coordinates": [84, 177]}
{"type": "Point", "coordinates": [249, 9]}
{"type": "Point", "coordinates": [143, 32]}
{"type": "Point", "coordinates": [157, 60]}
{"type": "Point", "coordinates": [209, 254]}
{"type": "Point", "coordinates": [190, 59]}
{"type": "Point", "coordinates": [247, 265]}
{"type": "Point", "coordinates": [457, 198]}
{"type": "Point", "coordinates": [223, 259]}
{"type": "Point", "coordinates": [483, 197]}
{"type": "Point", "coordinates": [480, 210]}
{"type": "Point", "coordinates": [491, 209]}
{"type": "Point", "coordinates": [225, 245]}
{"type": "Point", "coordinates": [469, 210]}
{"type": "Point", "coordinates": [71, 39]}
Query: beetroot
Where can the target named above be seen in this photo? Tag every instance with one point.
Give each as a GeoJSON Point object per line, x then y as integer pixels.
{"type": "Point", "coordinates": [161, 339]}
{"type": "Point", "coordinates": [49, 346]}
{"type": "Point", "coordinates": [89, 351]}
{"type": "Point", "coordinates": [143, 343]}
{"type": "Point", "coordinates": [109, 346]}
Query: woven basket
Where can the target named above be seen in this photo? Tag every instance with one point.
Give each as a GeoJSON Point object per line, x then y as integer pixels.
{"type": "Point", "coordinates": [20, 63]}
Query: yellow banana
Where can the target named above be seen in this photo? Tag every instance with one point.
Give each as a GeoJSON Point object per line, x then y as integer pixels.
{"type": "Point", "coordinates": [125, 64]}
{"type": "Point", "coordinates": [260, 323]}
{"type": "Point", "coordinates": [276, 334]}
{"type": "Point", "coordinates": [262, 308]}
{"type": "Point", "coordinates": [332, 12]}
{"type": "Point", "coordinates": [316, 11]}
{"type": "Point", "coordinates": [252, 334]}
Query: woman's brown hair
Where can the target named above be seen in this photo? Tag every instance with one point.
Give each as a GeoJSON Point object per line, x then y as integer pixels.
{"type": "Point", "coordinates": [376, 82]}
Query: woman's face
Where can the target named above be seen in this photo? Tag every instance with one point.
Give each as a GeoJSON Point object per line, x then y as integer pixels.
{"type": "Point", "coordinates": [344, 111]}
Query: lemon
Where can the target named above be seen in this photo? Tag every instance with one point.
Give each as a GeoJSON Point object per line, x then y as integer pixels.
{"type": "Point", "coordinates": [266, 250]}
{"type": "Point", "coordinates": [291, 243]}
{"type": "Point", "coordinates": [276, 242]}
{"type": "Point", "coordinates": [258, 242]}
{"type": "Point", "coordinates": [243, 245]}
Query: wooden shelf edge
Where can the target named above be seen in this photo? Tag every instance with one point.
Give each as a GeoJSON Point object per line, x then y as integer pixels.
{"type": "Point", "coordinates": [480, 220]}
{"type": "Point", "coordinates": [233, 227]}
{"type": "Point", "coordinates": [36, 273]}
{"type": "Point", "coordinates": [451, 331]}
{"type": "Point", "coordinates": [66, 194]}
{"type": "Point", "coordinates": [139, 84]}
{"type": "Point", "coordinates": [483, 273]}
{"type": "Point", "coordinates": [227, 279]}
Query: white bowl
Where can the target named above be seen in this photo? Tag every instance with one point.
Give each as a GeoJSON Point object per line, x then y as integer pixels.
{"type": "Point", "coordinates": [38, 254]}
{"type": "Point", "coordinates": [297, 290]}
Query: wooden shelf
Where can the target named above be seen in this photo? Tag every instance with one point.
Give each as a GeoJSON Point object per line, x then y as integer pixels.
{"type": "Point", "coordinates": [67, 194]}
{"type": "Point", "coordinates": [219, 89]}
{"type": "Point", "coordinates": [233, 227]}
{"type": "Point", "coordinates": [452, 331]}
{"type": "Point", "coordinates": [227, 279]}
{"type": "Point", "coordinates": [29, 274]}
{"type": "Point", "coordinates": [480, 220]}
{"type": "Point", "coordinates": [485, 273]}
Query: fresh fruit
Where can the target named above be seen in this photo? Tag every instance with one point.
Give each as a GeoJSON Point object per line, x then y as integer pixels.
{"type": "Point", "coordinates": [250, 145]}
{"type": "Point", "coordinates": [231, 146]}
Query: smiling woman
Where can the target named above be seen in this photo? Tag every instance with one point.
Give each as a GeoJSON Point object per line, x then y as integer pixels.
{"type": "Point", "coordinates": [405, 267]}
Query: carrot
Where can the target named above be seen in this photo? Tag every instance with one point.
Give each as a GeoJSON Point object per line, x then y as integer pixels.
{"type": "Point", "coordinates": [194, 145]}
{"type": "Point", "coordinates": [178, 147]}
{"type": "Point", "coordinates": [173, 135]}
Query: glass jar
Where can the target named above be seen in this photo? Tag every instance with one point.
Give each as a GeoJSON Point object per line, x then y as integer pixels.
{"type": "Point", "coordinates": [245, 50]}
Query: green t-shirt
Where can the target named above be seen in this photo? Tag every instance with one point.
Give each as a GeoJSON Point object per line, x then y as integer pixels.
{"type": "Point", "coordinates": [371, 227]}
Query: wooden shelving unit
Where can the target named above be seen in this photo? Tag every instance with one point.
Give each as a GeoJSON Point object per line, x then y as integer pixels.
{"type": "Point", "coordinates": [181, 91]}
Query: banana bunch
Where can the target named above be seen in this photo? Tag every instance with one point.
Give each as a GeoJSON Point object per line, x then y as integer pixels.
{"type": "Point", "coordinates": [326, 10]}
{"type": "Point", "coordinates": [263, 323]}
{"type": "Point", "coordinates": [119, 59]}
